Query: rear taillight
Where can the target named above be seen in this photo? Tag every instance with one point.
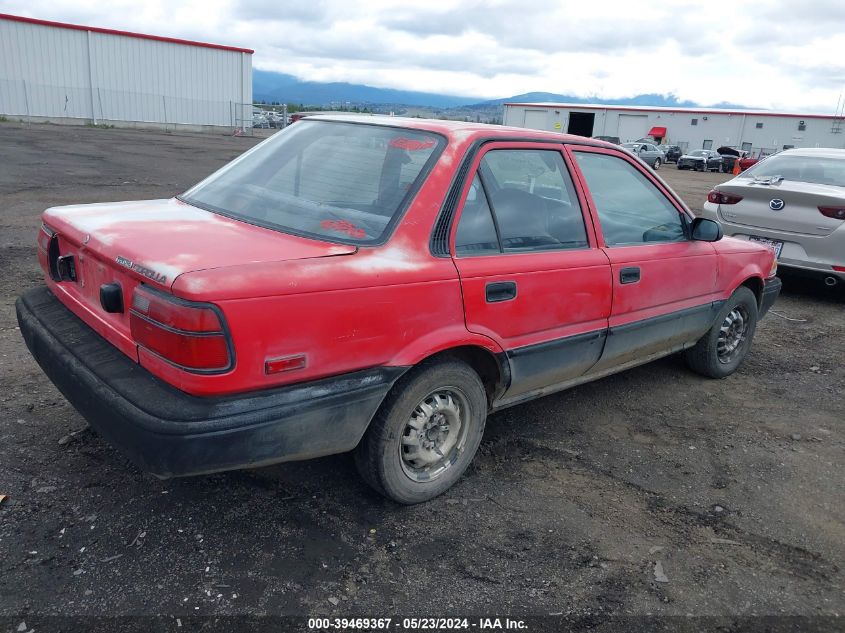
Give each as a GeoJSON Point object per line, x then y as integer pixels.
{"type": "Point", "coordinates": [189, 335]}
{"type": "Point", "coordinates": [717, 197]}
{"type": "Point", "coordinates": [837, 213]}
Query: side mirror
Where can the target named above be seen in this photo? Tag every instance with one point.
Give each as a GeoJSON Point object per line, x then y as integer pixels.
{"type": "Point", "coordinates": [704, 230]}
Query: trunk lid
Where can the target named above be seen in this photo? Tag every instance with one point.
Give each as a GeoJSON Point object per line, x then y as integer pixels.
{"type": "Point", "coordinates": [154, 242]}
{"type": "Point", "coordinates": [800, 211]}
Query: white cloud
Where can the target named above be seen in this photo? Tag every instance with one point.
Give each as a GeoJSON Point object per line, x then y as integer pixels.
{"type": "Point", "coordinates": [759, 53]}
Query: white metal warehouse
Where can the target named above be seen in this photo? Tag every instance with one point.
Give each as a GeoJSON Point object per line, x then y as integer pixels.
{"type": "Point", "coordinates": [691, 128]}
{"type": "Point", "coordinates": [67, 73]}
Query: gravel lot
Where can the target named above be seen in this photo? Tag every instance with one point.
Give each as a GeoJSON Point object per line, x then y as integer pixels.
{"type": "Point", "coordinates": [651, 492]}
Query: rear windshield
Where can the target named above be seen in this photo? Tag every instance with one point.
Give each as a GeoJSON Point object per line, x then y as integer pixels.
{"type": "Point", "coordinates": [345, 182]}
{"type": "Point", "coordinates": [814, 169]}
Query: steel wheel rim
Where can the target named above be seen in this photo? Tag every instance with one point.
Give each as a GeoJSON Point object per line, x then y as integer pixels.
{"type": "Point", "coordinates": [657, 164]}
{"type": "Point", "coordinates": [732, 335]}
{"type": "Point", "coordinates": [434, 436]}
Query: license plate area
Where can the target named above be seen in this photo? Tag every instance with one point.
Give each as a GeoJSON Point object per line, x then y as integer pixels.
{"type": "Point", "coordinates": [775, 245]}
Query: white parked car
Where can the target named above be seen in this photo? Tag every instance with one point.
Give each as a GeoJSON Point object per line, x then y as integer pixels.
{"type": "Point", "coordinates": [794, 202]}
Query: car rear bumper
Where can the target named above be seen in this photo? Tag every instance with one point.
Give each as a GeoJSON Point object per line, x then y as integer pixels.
{"type": "Point", "coordinates": [171, 433]}
{"type": "Point", "coordinates": [771, 290]}
{"type": "Point", "coordinates": [811, 254]}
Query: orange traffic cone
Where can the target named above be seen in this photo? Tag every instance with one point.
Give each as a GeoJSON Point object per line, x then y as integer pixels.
{"type": "Point", "coordinates": [736, 170]}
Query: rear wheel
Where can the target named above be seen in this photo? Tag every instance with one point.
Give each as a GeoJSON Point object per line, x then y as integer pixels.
{"type": "Point", "coordinates": [725, 345]}
{"type": "Point", "coordinates": [656, 164]}
{"type": "Point", "coordinates": [425, 433]}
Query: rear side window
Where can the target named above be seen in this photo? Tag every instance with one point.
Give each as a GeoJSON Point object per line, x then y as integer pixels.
{"type": "Point", "coordinates": [345, 182]}
{"type": "Point", "coordinates": [632, 210]}
{"type": "Point", "coordinates": [531, 199]}
{"type": "Point", "coordinates": [476, 233]}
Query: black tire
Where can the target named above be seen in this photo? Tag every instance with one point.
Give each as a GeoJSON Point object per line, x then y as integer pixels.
{"type": "Point", "coordinates": [656, 164]}
{"type": "Point", "coordinates": [708, 356]}
{"type": "Point", "coordinates": [379, 455]}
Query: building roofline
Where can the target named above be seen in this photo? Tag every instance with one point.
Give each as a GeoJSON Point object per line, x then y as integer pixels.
{"type": "Point", "coordinates": [599, 106]}
{"type": "Point", "coordinates": [143, 36]}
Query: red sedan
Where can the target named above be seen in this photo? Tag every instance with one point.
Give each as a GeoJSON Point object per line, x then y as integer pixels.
{"type": "Point", "coordinates": [382, 285]}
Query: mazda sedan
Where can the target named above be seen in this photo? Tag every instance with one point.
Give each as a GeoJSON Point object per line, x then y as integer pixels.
{"type": "Point", "coordinates": [379, 285]}
{"type": "Point", "coordinates": [794, 202]}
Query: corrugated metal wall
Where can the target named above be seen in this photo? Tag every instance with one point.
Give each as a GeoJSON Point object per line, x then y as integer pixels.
{"type": "Point", "coordinates": [54, 72]}
{"type": "Point", "coordinates": [711, 128]}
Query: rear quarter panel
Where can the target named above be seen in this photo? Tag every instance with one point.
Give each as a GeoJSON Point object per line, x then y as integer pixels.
{"type": "Point", "coordinates": [740, 260]}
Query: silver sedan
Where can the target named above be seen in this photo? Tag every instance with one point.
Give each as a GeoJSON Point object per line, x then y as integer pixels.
{"type": "Point", "coordinates": [648, 153]}
{"type": "Point", "coordinates": [794, 202]}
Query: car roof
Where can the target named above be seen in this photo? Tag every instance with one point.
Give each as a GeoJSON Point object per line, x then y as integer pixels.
{"type": "Point", "coordinates": [817, 152]}
{"type": "Point", "coordinates": [464, 131]}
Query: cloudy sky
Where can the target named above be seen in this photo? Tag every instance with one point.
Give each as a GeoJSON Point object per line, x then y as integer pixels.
{"type": "Point", "coordinates": [779, 54]}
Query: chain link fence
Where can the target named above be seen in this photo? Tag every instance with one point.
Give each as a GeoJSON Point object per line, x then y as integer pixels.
{"type": "Point", "coordinates": [26, 99]}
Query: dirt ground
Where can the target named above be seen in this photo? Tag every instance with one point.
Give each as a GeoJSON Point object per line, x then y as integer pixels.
{"type": "Point", "coordinates": [651, 492]}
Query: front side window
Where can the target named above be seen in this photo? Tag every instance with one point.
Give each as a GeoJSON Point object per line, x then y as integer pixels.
{"type": "Point", "coordinates": [632, 210]}
{"type": "Point", "coordinates": [344, 182]}
{"type": "Point", "coordinates": [532, 201]}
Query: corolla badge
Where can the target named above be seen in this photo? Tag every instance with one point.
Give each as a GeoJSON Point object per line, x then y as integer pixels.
{"type": "Point", "coordinates": [149, 273]}
{"type": "Point", "coordinates": [776, 204]}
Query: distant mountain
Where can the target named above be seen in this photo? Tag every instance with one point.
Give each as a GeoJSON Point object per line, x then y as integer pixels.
{"type": "Point", "coordinates": [272, 86]}
{"type": "Point", "coordinates": [650, 99]}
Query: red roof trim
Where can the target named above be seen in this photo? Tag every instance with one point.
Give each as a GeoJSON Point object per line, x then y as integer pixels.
{"type": "Point", "coordinates": [94, 29]}
{"type": "Point", "coordinates": [659, 109]}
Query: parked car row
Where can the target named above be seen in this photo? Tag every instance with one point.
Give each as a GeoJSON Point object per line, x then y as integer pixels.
{"type": "Point", "coordinates": [654, 154]}
{"type": "Point", "coordinates": [267, 119]}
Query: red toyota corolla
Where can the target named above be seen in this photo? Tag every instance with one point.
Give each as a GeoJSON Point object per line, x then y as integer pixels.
{"type": "Point", "coordinates": [382, 285]}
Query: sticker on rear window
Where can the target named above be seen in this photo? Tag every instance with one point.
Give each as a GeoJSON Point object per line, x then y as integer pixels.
{"type": "Point", "coordinates": [344, 226]}
{"type": "Point", "coordinates": [412, 145]}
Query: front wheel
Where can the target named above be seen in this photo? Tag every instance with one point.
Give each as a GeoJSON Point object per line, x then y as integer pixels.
{"type": "Point", "coordinates": [722, 349]}
{"type": "Point", "coordinates": [425, 433]}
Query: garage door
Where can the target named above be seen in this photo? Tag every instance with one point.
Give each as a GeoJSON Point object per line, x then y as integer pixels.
{"type": "Point", "coordinates": [536, 119]}
{"type": "Point", "coordinates": [632, 127]}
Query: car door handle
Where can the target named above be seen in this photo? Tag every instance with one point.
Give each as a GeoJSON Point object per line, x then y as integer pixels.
{"type": "Point", "coordinates": [500, 291]}
{"type": "Point", "coordinates": [629, 275]}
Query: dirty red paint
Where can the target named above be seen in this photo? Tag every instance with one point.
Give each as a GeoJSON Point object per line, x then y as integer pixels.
{"type": "Point", "coordinates": [350, 307]}
{"type": "Point", "coordinates": [344, 226]}
{"type": "Point", "coordinates": [412, 145]}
